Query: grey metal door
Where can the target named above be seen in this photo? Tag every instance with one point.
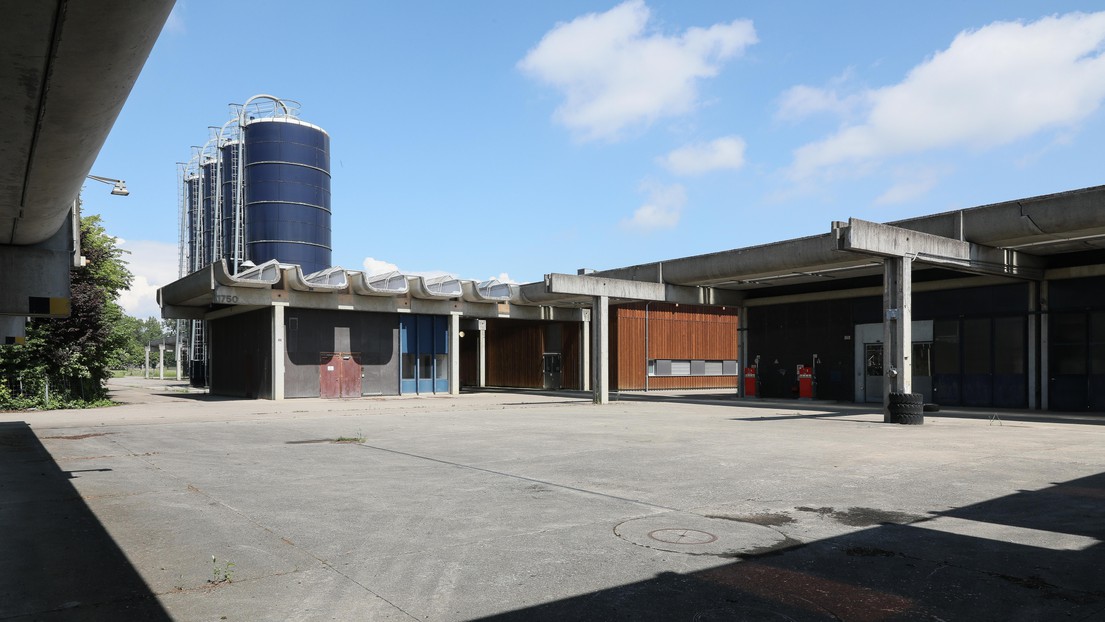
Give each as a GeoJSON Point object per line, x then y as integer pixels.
{"type": "Point", "coordinates": [552, 370]}
{"type": "Point", "coordinates": [872, 374]}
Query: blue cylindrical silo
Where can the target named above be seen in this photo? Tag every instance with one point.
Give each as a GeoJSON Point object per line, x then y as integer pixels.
{"type": "Point", "coordinates": [228, 165]}
{"type": "Point", "coordinates": [193, 193]}
{"type": "Point", "coordinates": [287, 192]}
{"type": "Point", "coordinates": [210, 205]}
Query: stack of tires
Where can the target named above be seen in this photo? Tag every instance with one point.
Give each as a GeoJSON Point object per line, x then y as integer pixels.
{"type": "Point", "coordinates": [907, 408]}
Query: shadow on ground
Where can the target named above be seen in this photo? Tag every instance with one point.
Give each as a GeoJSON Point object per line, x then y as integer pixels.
{"type": "Point", "coordinates": [57, 562]}
{"type": "Point", "coordinates": [926, 569]}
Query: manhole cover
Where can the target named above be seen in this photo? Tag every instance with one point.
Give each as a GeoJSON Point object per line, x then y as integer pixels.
{"type": "Point", "coordinates": [682, 536]}
{"type": "Point", "coordinates": [682, 532]}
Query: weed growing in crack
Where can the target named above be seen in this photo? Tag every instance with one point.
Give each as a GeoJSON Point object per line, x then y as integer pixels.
{"type": "Point", "coordinates": [221, 574]}
{"type": "Point", "coordinates": [358, 438]}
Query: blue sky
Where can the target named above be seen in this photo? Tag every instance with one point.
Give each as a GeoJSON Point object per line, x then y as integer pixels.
{"type": "Point", "coordinates": [511, 139]}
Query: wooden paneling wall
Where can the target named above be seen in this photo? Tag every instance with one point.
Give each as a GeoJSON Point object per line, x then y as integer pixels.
{"type": "Point", "coordinates": [514, 350]}
{"type": "Point", "coordinates": [514, 354]}
{"type": "Point", "coordinates": [470, 358]}
{"type": "Point", "coordinates": [569, 355]}
{"type": "Point", "coordinates": [674, 332]}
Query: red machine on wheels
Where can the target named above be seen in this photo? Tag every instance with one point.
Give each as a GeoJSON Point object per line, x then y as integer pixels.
{"type": "Point", "coordinates": [750, 381]}
{"type": "Point", "coordinates": [805, 382]}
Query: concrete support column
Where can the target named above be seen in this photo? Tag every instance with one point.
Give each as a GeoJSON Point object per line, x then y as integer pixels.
{"type": "Point", "coordinates": [1045, 348]}
{"type": "Point", "coordinates": [585, 351]}
{"type": "Point", "coordinates": [897, 329]}
{"type": "Point", "coordinates": [742, 348]}
{"type": "Point", "coordinates": [482, 363]}
{"type": "Point", "coordinates": [277, 352]}
{"type": "Point", "coordinates": [146, 361]}
{"type": "Point", "coordinates": [176, 351]}
{"type": "Point", "coordinates": [161, 361]}
{"type": "Point", "coordinates": [1033, 319]}
{"type": "Point", "coordinates": [600, 349]}
{"type": "Point", "coordinates": [454, 354]}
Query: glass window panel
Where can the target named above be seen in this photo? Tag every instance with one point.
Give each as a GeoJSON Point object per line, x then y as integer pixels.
{"type": "Point", "coordinates": [407, 365]}
{"type": "Point", "coordinates": [1097, 358]}
{"type": "Point", "coordinates": [652, 368]}
{"type": "Point", "coordinates": [714, 368]}
{"type": "Point", "coordinates": [873, 359]}
{"type": "Point", "coordinates": [976, 346]}
{"type": "Point", "coordinates": [1068, 358]}
{"type": "Point", "coordinates": [698, 368]}
{"type": "Point", "coordinates": [945, 347]}
{"type": "Point", "coordinates": [681, 368]}
{"type": "Point", "coordinates": [922, 359]}
{"type": "Point", "coordinates": [1068, 328]}
{"type": "Point", "coordinates": [663, 367]}
{"type": "Point", "coordinates": [1097, 327]}
{"type": "Point", "coordinates": [425, 367]}
{"type": "Point", "coordinates": [442, 366]}
{"type": "Point", "coordinates": [1009, 350]}
{"type": "Point", "coordinates": [729, 368]}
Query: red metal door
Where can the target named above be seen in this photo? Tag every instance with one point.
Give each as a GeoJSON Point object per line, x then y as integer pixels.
{"type": "Point", "coordinates": [350, 374]}
{"type": "Point", "coordinates": [329, 372]}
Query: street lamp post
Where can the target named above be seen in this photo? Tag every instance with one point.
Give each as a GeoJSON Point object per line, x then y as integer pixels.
{"type": "Point", "coordinates": [120, 186]}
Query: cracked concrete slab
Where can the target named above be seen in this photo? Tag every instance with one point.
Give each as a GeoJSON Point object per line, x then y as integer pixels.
{"type": "Point", "coordinates": [501, 506]}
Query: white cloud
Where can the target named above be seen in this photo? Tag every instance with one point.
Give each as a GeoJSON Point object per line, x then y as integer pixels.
{"type": "Point", "coordinates": [662, 209]}
{"type": "Point", "coordinates": [912, 184]}
{"type": "Point", "coordinates": [990, 87]}
{"type": "Point", "coordinates": [378, 266]}
{"type": "Point", "coordinates": [719, 154]}
{"type": "Point", "coordinates": [799, 102]}
{"type": "Point", "coordinates": [614, 74]}
{"type": "Point", "coordinates": [504, 278]}
{"type": "Point", "coordinates": [153, 264]}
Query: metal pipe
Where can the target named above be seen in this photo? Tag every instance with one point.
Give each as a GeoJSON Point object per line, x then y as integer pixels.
{"type": "Point", "coordinates": [646, 345]}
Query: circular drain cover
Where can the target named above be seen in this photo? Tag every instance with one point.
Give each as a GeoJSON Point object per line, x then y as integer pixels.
{"type": "Point", "coordinates": [678, 532]}
{"type": "Point", "coordinates": [682, 536]}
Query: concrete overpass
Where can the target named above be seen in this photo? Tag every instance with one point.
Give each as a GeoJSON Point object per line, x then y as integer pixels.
{"type": "Point", "coordinates": [68, 69]}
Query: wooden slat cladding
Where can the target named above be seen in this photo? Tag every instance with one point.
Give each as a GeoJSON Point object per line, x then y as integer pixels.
{"type": "Point", "coordinates": [569, 357]}
{"type": "Point", "coordinates": [514, 350]}
{"type": "Point", "coordinates": [673, 332]}
{"type": "Point", "coordinates": [470, 359]}
{"type": "Point", "coordinates": [514, 353]}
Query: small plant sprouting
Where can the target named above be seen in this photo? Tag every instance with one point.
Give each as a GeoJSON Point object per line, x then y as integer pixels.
{"type": "Point", "coordinates": [358, 438]}
{"type": "Point", "coordinates": [221, 574]}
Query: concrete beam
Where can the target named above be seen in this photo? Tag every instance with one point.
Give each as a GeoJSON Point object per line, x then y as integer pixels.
{"type": "Point", "coordinates": [68, 69]}
{"type": "Point", "coordinates": [591, 286]}
{"type": "Point", "coordinates": [13, 329]}
{"type": "Point", "coordinates": [869, 238]}
{"type": "Point", "coordinates": [35, 279]}
{"type": "Point", "coordinates": [886, 241]}
{"type": "Point", "coordinates": [170, 312]}
{"type": "Point", "coordinates": [580, 288]}
{"type": "Point", "coordinates": [874, 290]}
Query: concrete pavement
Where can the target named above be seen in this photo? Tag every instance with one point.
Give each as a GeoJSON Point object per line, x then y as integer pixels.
{"type": "Point", "coordinates": [509, 506]}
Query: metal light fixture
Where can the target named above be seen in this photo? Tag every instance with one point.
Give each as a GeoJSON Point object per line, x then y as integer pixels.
{"type": "Point", "coordinates": [120, 186]}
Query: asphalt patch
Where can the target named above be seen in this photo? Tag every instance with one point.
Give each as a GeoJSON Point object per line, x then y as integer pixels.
{"type": "Point", "coordinates": [767, 519]}
{"type": "Point", "coordinates": [864, 517]}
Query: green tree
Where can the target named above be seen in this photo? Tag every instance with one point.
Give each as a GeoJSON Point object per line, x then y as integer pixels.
{"type": "Point", "coordinates": [136, 334]}
{"type": "Point", "coordinates": [72, 356]}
